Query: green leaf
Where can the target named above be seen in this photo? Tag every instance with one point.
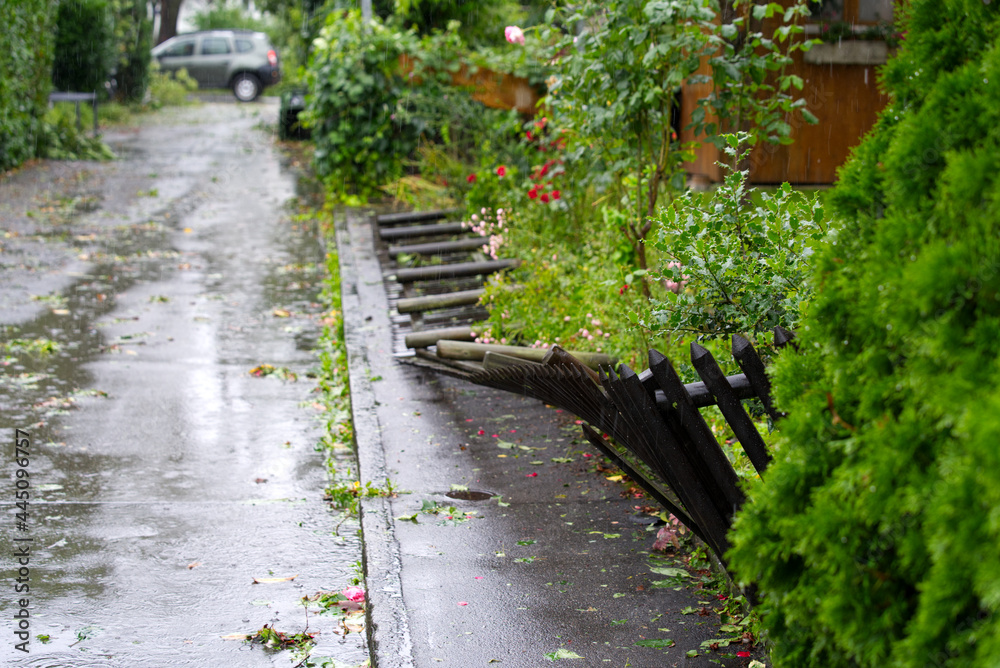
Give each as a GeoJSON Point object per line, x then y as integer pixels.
{"type": "Point", "coordinates": [671, 572]}
{"type": "Point", "coordinates": [562, 653]}
{"type": "Point", "coordinates": [656, 644]}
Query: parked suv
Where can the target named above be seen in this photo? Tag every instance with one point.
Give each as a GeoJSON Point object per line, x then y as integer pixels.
{"type": "Point", "coordinates": [239, 59]}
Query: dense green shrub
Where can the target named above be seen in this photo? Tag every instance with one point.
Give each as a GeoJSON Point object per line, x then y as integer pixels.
{"type": "Point", "coordinates": [133, 34]}
{"type": "Point", "coordinates": [369, 108]}
{"type": "Point", "coordinates": [26, 47]}
{"type": "Point", "coordinates": [480, 22]}
{"type": "Point", "coordinates": [735, 261]}
{"type": "Point", "coordinates": [874, 536]}
{"type": "Point", "coordinates": [169, 89]}
{"type": "Point", "coordinates": [85, 46]}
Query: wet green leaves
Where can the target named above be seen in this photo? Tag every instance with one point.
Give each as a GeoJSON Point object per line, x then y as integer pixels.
{"type": "Point", "coordinates": [562, 653]}
{"type": "Point", "coordinates": [656, 644]}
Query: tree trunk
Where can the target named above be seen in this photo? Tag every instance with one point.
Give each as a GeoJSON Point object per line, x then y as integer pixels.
{"type": "Point", "coordinates": [169, 11]}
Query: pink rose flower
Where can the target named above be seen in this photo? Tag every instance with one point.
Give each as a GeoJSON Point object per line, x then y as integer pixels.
{"type": "Point", "coordinates": [356, 594]}
{"type": "Point", "coordinates": [514, 35]}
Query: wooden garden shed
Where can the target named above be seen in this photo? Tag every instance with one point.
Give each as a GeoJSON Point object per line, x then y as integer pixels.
{"type": "Point", "coordinates": [841, 89]}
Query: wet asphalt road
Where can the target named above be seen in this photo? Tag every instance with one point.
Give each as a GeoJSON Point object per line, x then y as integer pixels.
{"type": "Point", "coordinates": [164, 477]}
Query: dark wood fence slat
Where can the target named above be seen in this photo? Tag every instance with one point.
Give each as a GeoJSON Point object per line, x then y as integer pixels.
{"type": "Point", "coordinates": [415, 216]}
{"type": "Point", "coordinates": [700, 396]}
{"type": "Point", "coordinates": [783, 337]}
{"type": "Point", "coordinates": [690, 487]}
{"type": "Point", "coordinates": [457, 270]}
{"type": "Point", "coordinates": [437, 247]}
{"type": "Point", "coordinates": [748, 359]}
{"type": "Point", "coordinates": [415, 231]}
{"type": "Point", "coordinates": [558, 355]}
{"type": "Point", "coordinates": [672, 505]}
{"type": "Point", "coordinates": [689, 420]}
{"type": "Point", "coordinates": [731, 406]}
{"type": "Point", "coordinates": [638, 437]}
{"type": "Point", "coordinates": [446, 300]}
{"type": "Point", "coordinates": [429, 337]}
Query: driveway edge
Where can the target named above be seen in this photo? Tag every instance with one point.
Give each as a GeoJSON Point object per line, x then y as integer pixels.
{"type": "Point", "coordinates": [366, 323]}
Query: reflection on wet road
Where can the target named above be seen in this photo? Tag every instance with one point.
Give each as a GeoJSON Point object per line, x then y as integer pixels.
{"type": "Point", "coordinates": [164, 477]}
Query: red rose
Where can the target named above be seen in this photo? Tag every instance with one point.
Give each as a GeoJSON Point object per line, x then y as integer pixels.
{"type": "Point", "coordinates": [471, 178]}
{"type": "Point", "coordinates": [501, 171]}
{"type": "Point", "coordinates": [544, 197]}
{"type": "Point", "coordinates": [555, 194]}
{"type": "Point", "coordinates": [533, 193]}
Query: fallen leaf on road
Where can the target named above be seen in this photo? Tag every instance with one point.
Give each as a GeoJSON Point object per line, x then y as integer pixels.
{"type": "Point", "coordinates": [237, 636]}
{"type": "Point", "coordinates": [562, 653]}
{"type": "Point", "coordinates": [194, 564]}
{"type": "Point", "coordinates": [656, 644]}
{"type": "Point", "coordinates": [258, 581]}
{"type": "Point", "coordinates": [281, 313]}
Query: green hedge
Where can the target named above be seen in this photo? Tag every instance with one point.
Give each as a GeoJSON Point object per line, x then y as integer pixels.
{"type": "Point", "coordinates": [26, 49]}
{"type": "Point", "coordinates": [874, 538]}
{"type": "Point", "coordinates": [85, 46]}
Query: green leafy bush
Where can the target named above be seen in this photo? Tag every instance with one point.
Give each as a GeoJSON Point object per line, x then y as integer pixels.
{"type": "Point", "coordinates": [736, 260]}
{"type": "Point", "coordinates": [61, 140]}
{"type": "Point", "coordinates": [170, 90]}
{"type": "Point", "coordinates": [85, 46]}
{"type": "Point", "coordinates": [26, 48]}
{"type": "Point", "coordinates": [133, 33]}
{"type": "Point", "coordinates": [874, 536]}
{"type": "Point", "coordinates": [375, 93]}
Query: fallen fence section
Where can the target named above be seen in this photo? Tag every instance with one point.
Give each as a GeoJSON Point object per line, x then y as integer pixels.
{"type": "Point", "coordinates": [649, 424]}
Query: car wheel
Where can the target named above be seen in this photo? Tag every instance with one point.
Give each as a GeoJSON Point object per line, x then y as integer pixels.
{"type": "Point", "coordinates": [246, 87]}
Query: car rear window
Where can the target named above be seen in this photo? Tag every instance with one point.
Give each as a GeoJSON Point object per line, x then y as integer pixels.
{"type": "Point", "coordinates": [211, 46]}
{"type": "Point", "coordinates": [244, 45]}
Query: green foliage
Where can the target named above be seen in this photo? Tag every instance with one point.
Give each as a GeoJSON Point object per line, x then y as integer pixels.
{"type": "Point", "coordinates": [229, 16]}
{"type": "Point", "coordinates": [874, 536]}
{"type": "Point", "coordinates": [133, 34]}
{"type": "Point", "coordinates": [735, 260]}
{"type": "Point", "coordinates": [169, 90]}
{"type": "Point", "coordinates": [85, 46]}
{"type": "Point", "coordinates": [26, 50]}
{"type": "Point", "coordinates": [368, 108]}
{"type": "Point", "coordinates": [616, 94]}
{"type": "Point", "coordinates": [481, 22]}
{"type": "Point", "coordinates": [60, 139]}
{"type": "Point", "coordinates": [750, 90]}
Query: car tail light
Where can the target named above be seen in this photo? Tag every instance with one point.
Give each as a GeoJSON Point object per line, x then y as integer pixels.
{"type": "Point", "coordinates": [272, 57]}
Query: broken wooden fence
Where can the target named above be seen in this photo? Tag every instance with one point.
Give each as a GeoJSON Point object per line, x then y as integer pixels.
{"type": "Point", "coordinates": [648, 423]}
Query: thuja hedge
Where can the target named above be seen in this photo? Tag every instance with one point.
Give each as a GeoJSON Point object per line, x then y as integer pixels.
{"type": "Point", "coordinates": [874, 537]}
{"type": "Point", "coordinates": [26, 48]}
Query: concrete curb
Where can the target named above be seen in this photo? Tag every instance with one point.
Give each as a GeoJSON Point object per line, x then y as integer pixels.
{"type": "Point", "coordinates": [366, 326]}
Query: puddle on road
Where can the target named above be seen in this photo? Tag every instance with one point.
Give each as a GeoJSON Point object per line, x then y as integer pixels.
{"type": "Point", "coordinates": [87, 605]}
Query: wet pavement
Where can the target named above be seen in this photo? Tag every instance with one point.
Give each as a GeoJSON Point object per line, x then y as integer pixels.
{"type": "Point", "coordinates": [550, 561]}
{"type": "Point", "coordinates": [135, 298]}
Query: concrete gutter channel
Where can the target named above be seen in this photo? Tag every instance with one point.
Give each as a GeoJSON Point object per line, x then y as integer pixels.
{"type": "Point", "coordinates": [559, 561]}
